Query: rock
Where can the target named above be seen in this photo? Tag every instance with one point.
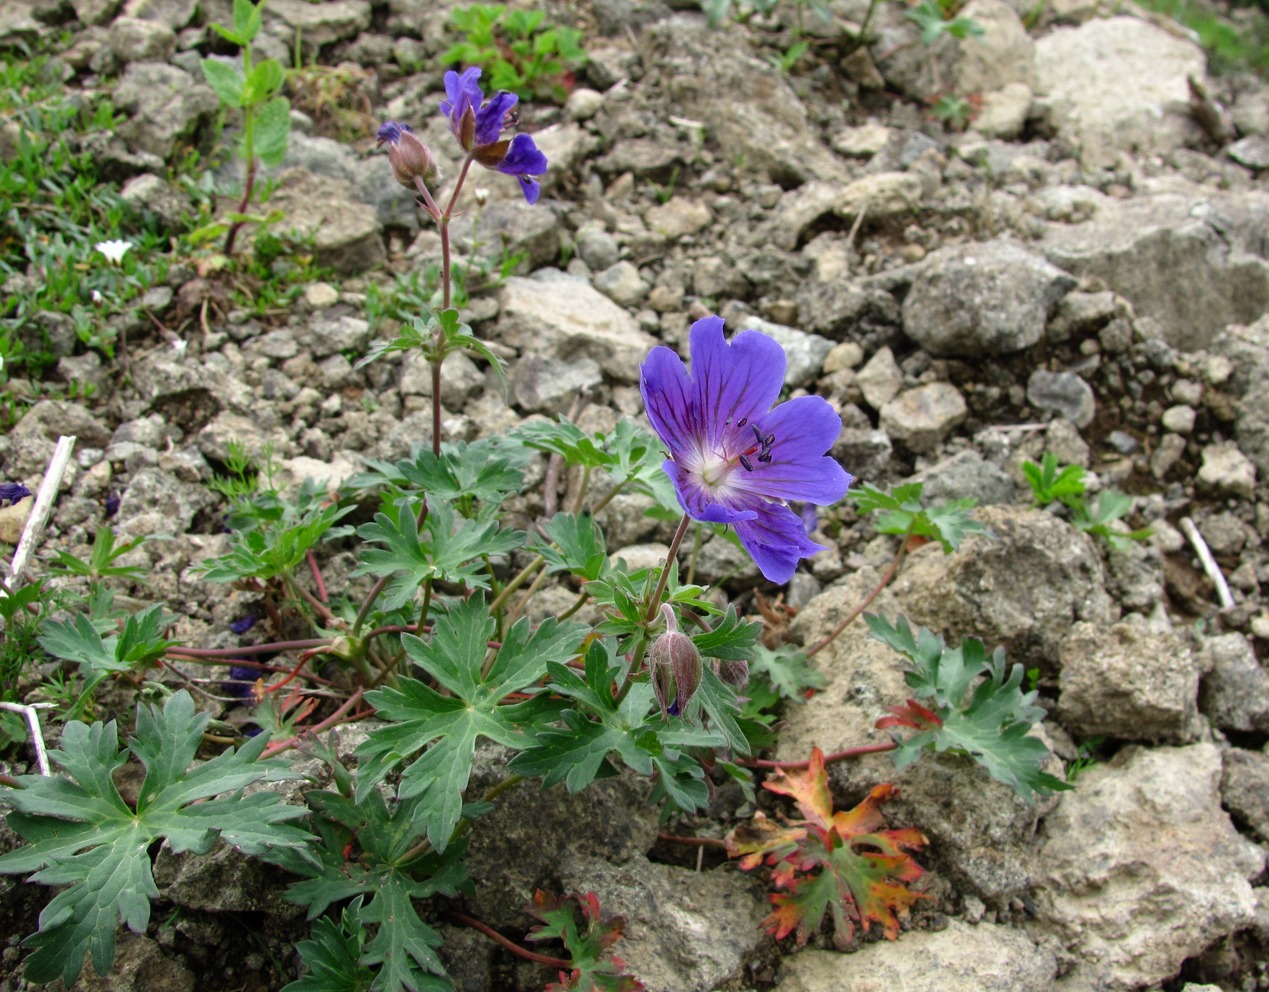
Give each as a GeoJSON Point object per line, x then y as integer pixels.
{"type": "Point", "coordinates": [156, 502]}
{"type": "Point", "coordinates": [800, 210]}
{"type": "Point", "coordinates": [165, 201]}
{"type": "Point", "coordinates": [977, 299]}
{"type": "Point", "coordinates": [1003, 113]}
{"type": "Point", "coordinates": [1245, 788]}
{"type": "Point", "coordinates": [804, 352]}
{"type": "Point", "coordinates": [668, 912]}
{"type": "Point", "coordinates": [921, 418]}
{"type": "Point", "coordinates": [1251, 151]}
{"type": "Point", "coordinates": [1118, 85]}
{"type": "Point", "coordinates": [176, 14]}
{"type": "Point", "coordinates": [1235, 690]}
{"type": "Point", "coordinates": [1022, 587]}
{"type": "Point", "coordinates": [863, 141]}
{"type": "Point", "coordinates": [1227, 471]}
{"type": "Point", "coordinates": [510, 227]}
{"type": "Point", "coordinates": [1126, 909]}
{"type": "Point", "coordinates": [346, 233]}
{"type": "Point", "coordinates": [1063, 393]}
{"type": "Point", "coordinates": [622, 284]}
{"type": "Point", "coordinates": [140, 965]}
{"type": "Point", "coordinates": [1128, 683]}
{"type": "Point", "coordinates": [1245, 350]}
{"type": "Point", "coordinates": [597, 248]}
{"type": "Point", "coordinates": [842, 310]}
{"type": "Point", "coordinates": [881, 379]}
{"type": "Point", "coordinates": [542, 384]}
{"type": "Point", "coordinates": [583, 103]}
{"type": "Point", "coordinates": [165, 106]}
{"type": "Point", "coordinates": [966, 475]}
{"type": "Point", "coordinates": [566, 319]}
{"type": "Point", "coordinates": [960, 958]}
{"type": "Point", "coordinates": [1003, 55]}
{"type": "Point", "coordinates": [132, 40]}
{"type": "Point", "coordinates": [95, 13]}
{"type": "Point", "coordinates": [1179, 419]}
{"type": "Point", "coordinates": [1191, 258]}
{"type": "Point", "coordinates": [678, 218]}
{"type": "Point", "coordinates": [881, 196]}
{"type": "Point", "coordinates": [461, 379]}
{"type": "Point", "coordinates": [320, 24]}
{"type": "Point", "coordinates": [521, 844]}
{"type": "Point", "coordinates": [331, 333]}
{"type": "Point", "coordinates": [748, 106]}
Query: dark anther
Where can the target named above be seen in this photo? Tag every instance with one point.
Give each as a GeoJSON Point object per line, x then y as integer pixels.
{"type": "Point", "coordinates": [746, 463]}
{"type": "Point", "coordinates": [765, 456]}
{"type": "Point", "coordinates": [741, 423]}
{"type": "Point", "coordinates": [757, 433]}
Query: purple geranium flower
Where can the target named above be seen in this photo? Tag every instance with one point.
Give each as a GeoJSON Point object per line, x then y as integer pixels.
{"type": "Point", "coordinates": [733, 458]}
{"type": "Point", "coordinates": [478, 127]}
{"type": "Point", "coordinates": [13, 493]}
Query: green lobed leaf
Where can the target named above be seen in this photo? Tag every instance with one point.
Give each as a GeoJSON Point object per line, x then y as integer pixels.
{"type": "Point", "coordinates": [576, 545]}
{"type": "Point", "coordinates": [273, 131]}
{"type": "Point", "coordinates": [978, 705]}
{"type": "Point", "coordinates": [225, 80]}
{"type": "Point", "coordinates": [332, 956]}
{"type": "Point", "coordinates": [448, 726]}
{"type": "Point", "coordinates": [787, 669]}
{"type": "Point", "coordinates": [903, 513]}
{"type": "Point", "coordinates": [82, 835]}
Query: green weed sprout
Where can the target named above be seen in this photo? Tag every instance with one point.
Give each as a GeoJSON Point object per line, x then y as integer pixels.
{"type": "Point", "coordinates": [1066, 485]}
{"type": "Point", "coordinates": [266, 115]}
{"type": "Point", "coordinates": [519, 51]}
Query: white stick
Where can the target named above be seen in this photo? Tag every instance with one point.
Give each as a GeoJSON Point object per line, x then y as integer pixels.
{"type": "Point", "coordinates": [32, 715]}
{"type": "Point", "coordinates": [1212, 569]}
{"type": "Point", "coordinates": [42, 510]}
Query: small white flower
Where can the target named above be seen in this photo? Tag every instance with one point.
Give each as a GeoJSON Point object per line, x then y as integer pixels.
{"type": "Point", "coordinates": [97, 297]}
{"type": "Point", "coordinates": [113, 250]}
{"type": "Point", "coordinates": [179, 345]}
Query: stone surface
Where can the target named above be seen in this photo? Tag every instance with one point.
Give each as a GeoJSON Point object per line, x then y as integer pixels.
{"type": "Point", "coordinates": [1128, 682]}
{"type": "Point", "coordinates": [346, 235]}
{"type": "Point", "coordinates": [567, 319]}
{"type": "Point", "coordinates": [320, 24]}
{"type": "Point", "coordinates": [1118, 85]}
{"type": "Point", "coordinates": [133, 40]}
{"type": "Point", "coordinates": [1246, 350]}
{"type": "Point", "coordinates": [1227, 471]}
{"type": "Point", "coordinates": [685, 931]}
{"type": "Point", "coordinates": [1235, 690]}
{"type": "Point", "coordinates": [960, 958]}
{"type": "Point", "coordinates": [1125, 909]}
{"type": "Point", "coordinates": [1064, 394]}
{"type": "Point", "coordinates": [164, 106]}
{"type": "Point", "coordinates": [880, 379]}
{"type": "Point", "coordinates": [1192, 258]}
{"type": "Point", "coordinates": [978, 299]}
{"type": "Point", "coordinates": [1245, 788]}
{"type": "Point", "coordinates": [542, 384]}
{"type": "Point", "coordinates": [1022, 587]}
{"type": "Point", "coordinates": [922, 417]}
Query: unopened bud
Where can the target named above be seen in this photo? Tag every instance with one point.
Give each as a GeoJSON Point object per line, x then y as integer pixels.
{"type": "Point", "coordinates": [734, 673]}
{"type": "Point", "coordinates": [675, 665]}
{"type": "Point", "coordinates": [408, 156]}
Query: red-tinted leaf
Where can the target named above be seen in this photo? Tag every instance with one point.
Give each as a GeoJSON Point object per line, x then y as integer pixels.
{"type": "Point", "coordinates": [911, 715]}
{"type": "Point", "coordinates": [847, 863]}
{"type": "Point", "coordinates": [593, 969]}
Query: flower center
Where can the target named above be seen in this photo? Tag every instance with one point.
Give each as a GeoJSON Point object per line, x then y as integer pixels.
{"type": "Point", "coordinates": [714, 468]}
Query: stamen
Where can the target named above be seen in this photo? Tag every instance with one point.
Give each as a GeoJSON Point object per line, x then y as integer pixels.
{"type": "Point", "coordinates": [746, 464]}
{"type": "Point", "coordinates": [743, 421]}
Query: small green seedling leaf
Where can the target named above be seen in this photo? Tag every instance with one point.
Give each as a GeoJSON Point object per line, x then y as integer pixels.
{"type": "Point", "coordinates": [593, 968]}
{"type": "Point", "coordinates": [904, 514]}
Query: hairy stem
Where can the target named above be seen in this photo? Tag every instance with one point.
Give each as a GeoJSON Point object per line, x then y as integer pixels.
{"type": "Point", "coordinates": [509, 944]}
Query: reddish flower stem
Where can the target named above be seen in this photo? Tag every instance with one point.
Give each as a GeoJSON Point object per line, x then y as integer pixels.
{"type": "Point", "coordinates": [876, 591]}
{"type": "Point", "coordinates": [317, 577]}
{"type": "Point", "coordinates": [277, 747]}
{"type": "Point", "coordinates": [851, 752]}
{"type": "Point", "coordinates": [274, 647]}
{"type": "Point", "coordinates": [510, 945]}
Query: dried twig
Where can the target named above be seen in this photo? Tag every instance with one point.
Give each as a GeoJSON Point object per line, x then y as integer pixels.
{"type": "Point", "coordinates": [42, 509]}
{"type": "Point", "coordinates": [31, 714]}
{"type": "Point", "coordinates": [1212, 569]}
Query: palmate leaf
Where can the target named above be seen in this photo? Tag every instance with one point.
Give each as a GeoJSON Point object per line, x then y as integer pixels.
{"type": "Point", "coordinates": [593, 968]}
{"type": "Point", "coordinates": [450, 549]}
{"type": "Point", "coordinates": [488, 470]}
{"type": "Point", "coordinates": [333, 956]}
{"type": "Point", "coordinates": [903, 513]}
{"type": "Point", "coordinates": [601, 729]}
{"type": "Point", "coordinates": [576, 545]}
{"type": "Point", "coordinates": [81, 834]}
{"type": "Point", "coordinates": [846, 864]}
{"type": "Point", "coordinates": [971, 703]}
{"type": "Point", "coordinates": [448, 726]}
{"type": "Point", "coordinates": [365, 852]}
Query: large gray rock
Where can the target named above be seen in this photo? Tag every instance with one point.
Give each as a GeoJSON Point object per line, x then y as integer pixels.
{"type": "Point", "coordinates": [165, 106]}
{"type": "Point", "coordinates": [1247, 349]}
{"type": "Point", "coordinates": [749, 108]}
{"type": "Point", "coordinates": [1128, 682]}
{"type": "Point", "coordinates": [1021, 587]}
{"type": "Point", "coordinates": [960, 958]}
{"type": "Point", "coordinates": [1192, 258]}
{"type": "Point", "coordinates": [1118, 85]}
{"type": "Point", "coordinates": [686, 931]}
{"type": "Point", "coordinates": [567, 318]}
{"type": "Point", "coordinates": [979, 299]}
{"type": "Point", "coordinates": [922, 417]}
{"type": "Point", "coordinates": [1141, 869]}
{"type": "Point", "coordinates": [321, 23]}
{"type": "Point", "coordinates": [1235, 692]}
{"type": "Point", "coordinates": [1245, 788]}
{"type": "Point", "coordinates": [346, 233]}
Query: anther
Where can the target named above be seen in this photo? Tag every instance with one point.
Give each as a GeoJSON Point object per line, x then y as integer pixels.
{"type": "Point", "coordinates": [746, 463]}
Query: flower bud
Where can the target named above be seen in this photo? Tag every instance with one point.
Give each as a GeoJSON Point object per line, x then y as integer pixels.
{"type": "Point", "coordinates": [675, 665]}
{"type": "Point", "coordinates": [734, 673]}
{"type": "Point", "coordinates": [409, 157]}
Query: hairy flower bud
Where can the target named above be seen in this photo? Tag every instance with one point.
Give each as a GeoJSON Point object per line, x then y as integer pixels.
{"type": "Point", "coordinates": [675, 665]}
{"type": "Point", "coordinates": [734, 673]}
{"type": "Point", "coordinates": [409, 157]}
